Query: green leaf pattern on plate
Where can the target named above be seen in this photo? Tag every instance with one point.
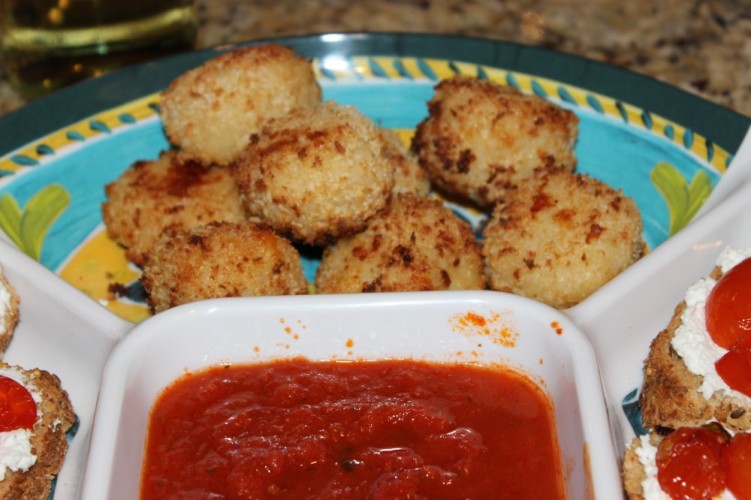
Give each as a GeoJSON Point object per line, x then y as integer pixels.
{"type": "Point", "coordinates": [683, 199]}
{"type": "Point", "coordinates": [28, 227]}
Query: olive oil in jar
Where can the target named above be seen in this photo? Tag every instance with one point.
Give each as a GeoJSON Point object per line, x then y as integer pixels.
{"type": "Point", "coordinates": [47, 44]}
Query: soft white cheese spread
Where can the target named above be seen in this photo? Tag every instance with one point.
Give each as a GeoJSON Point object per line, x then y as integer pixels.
{"type": "Point", "coordinates": [648, 459]}
{"type": "Point", "coordinates": [20, 377]}
{"type": "Point", "coordinates": [692, 341]}
{"type": "Point", "coordinates": [15, 451]}
{"type": "Point", "coordinates": [15, 446]}
{"type": "Point", "coordinates": [647, 454]}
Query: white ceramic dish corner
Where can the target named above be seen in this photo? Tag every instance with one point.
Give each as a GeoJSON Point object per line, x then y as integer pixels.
{"type": "Point", "coordinates": [622, 318]}
{"type": "Point", "coordinates": [61, 331]}
{"type": "Point", "coordinates": [372, 326]}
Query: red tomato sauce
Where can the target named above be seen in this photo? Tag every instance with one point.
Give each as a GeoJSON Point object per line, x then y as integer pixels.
{"type": "Point", "coordinates": [386, 429]}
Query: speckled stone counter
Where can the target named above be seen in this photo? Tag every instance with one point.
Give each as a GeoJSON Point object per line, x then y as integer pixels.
{"type": "Point", "coordinates": [703, 46]}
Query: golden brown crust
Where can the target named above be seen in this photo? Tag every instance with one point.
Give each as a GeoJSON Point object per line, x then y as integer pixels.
{"type": "Point", "coordinates": [409, 176]}
{"type": "Point", "coordinates": [220, 260]}
{"type": "Point", "coordinates": [480, 139]}
{"type": "Point", "coordinates": [670, 394]}
{"type": "Point", "coordinates": [415, 244]}
{"type": "Point", "coordinates": [152, 195]}
{"type": "Point", "coordinates": [560, 237]}
{"type": "Point", "coordinates": [210, 112]}
{"type": "Point", "coordinates": [9, 321]}
{"type": "Point", "coordinates": [633, 472]}
{"type": "Point", "coordinates": [49, 442]}
{"type": "Point", "coordinates": [316, 175]}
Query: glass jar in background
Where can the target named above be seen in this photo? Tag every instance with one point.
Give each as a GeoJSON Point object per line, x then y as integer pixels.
{"type": "Point", "coordinates": [47, 44]}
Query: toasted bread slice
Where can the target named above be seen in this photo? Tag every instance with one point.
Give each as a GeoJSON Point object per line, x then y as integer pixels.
{"type": "Point", "coordinates": [633, 470]}
{"type": "Point", "coordinates": [670, 394]}
{"type": "Point", "coordinates": [48, 437]}
{"type": "Point", "coordinates": [8, 312]}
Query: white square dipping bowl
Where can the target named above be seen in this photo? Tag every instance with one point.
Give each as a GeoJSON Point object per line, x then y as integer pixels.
{"type": "Point", "coordinates": [422, 326]}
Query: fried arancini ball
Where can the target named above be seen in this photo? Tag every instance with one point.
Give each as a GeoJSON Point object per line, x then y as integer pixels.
{"type": "Point", "coordinates": [209, 112]}
{"type": "Point", "coordinates": [480, 139]}
{"type": "Point", "coordinates": [317, 174]}
{"type": "Point", "coordinates": [152, 195]}
{"type": "Point", "coordinates": [221, 259]}
{"type": "Point", "coordinates": [409, 176]}
{"type": "Point", "coordinates": [416, 244]}
{"type": "Point", "coordinates": [561, 237]}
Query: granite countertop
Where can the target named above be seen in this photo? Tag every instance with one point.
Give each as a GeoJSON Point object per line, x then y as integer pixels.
{"type": "Point", "coordinates": [703, 46]}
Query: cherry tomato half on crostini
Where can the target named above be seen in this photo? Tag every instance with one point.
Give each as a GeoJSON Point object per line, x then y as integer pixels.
{"type": "Point", "coordinates": [736, 460]}
{"type": "Point", "coordinates": [18, 410]}
{"type": "Point", "coordinates": [728, 311]}
{"type": "Point", "coordinates": [689, 463]}
{"type": "Point", "coordinates": [734, 367]}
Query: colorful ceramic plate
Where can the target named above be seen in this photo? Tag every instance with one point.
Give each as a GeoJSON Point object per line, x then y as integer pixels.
{"type": "Point", "coordinates": [52, 187]}
{"type": "Point", "coordinates": [664, 147]}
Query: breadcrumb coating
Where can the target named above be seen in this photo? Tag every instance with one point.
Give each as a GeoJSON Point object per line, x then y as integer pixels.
{"type": "Point", "coordinates": [560, 237]}
{"type": "Point", "coordinates": [221, 259]}
{"type": "Point", "coordinates": [409, 176]}
{"type": "Point", "coordinates": [415, 244]}
{"type": "Point", "coordinates": [210, 112]}
{"type": "Point", "coordinates": [152, 195]}
{"type": "Point", "coordinates": [481, 139]}
{"type": "Point", "coordinates": [316, 175]}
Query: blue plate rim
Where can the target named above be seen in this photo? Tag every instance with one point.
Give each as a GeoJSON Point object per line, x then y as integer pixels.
{"type": "Point", "coordinates": [719, 124]}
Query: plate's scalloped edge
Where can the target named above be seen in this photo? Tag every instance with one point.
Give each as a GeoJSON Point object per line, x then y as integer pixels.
{"type": "Point", "coordinates": [361, 68]}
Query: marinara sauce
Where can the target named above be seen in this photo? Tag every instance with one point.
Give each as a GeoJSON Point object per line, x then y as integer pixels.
{"type": "Point", "coordinates": [387, 429]}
